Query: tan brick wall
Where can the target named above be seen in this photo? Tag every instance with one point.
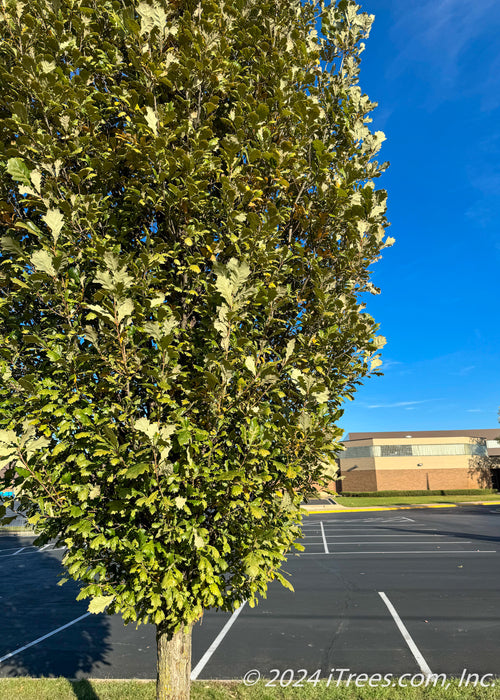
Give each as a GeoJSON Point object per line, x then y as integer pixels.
{"type": "Point", "coordinates": [401, 480]}
{"type": "Point", "coordinates": [359, 480]}
{"type": "Point", "coordinates": [433, 479]}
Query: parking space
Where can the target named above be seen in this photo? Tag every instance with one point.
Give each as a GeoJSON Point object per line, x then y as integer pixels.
{"type": "Point", "coordinates": [391, 535]}
{"type": "Point", "coordinates": [370, 589]}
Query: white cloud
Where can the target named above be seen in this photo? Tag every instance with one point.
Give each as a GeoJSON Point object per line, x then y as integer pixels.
{"type": "Point", "coordinates": [465, 370]}
{"type": "Point", "coordinates": [397, 404]}
{"type": "Point", "coordinates": [387, 364]}
{"type": "Point", "coordinates": [438, 36]}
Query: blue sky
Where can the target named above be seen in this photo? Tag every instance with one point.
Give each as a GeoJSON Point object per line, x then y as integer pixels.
{"type": "Point", "coordinates": [434, 68]}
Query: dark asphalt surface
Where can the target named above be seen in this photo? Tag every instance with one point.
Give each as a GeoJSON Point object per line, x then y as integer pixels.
{"type": "Point", "coordinates": [440, 569]}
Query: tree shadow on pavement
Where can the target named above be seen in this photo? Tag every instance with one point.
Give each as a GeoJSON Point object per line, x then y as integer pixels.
{"type": "Point", "coordinates": [32, 606]}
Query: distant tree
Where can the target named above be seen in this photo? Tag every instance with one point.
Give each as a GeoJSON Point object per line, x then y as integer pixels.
{"type": "Point", "coordinates": [188, 216]}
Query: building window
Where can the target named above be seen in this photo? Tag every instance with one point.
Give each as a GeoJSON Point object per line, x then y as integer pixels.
{"type": "Point", "coordinates": [396, 450]}
{"type": "Point", "coordinates": [364, 451]}
{"type": "Point", "coordinates": [439, 450]}
{"type": "Point", "coordinates": [357, 452]}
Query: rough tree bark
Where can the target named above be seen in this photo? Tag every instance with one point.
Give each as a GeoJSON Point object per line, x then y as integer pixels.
{"type": "Point", "coordinates": [174, 663]}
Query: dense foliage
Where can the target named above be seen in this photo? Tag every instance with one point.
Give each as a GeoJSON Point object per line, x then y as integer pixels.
{"type": "Point", "coordinates": [188, 218]}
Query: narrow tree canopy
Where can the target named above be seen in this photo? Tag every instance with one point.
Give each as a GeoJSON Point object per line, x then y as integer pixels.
{"type": "Point", "coordinates": [188, 218]}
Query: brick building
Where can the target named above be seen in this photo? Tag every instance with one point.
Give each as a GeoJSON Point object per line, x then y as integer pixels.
{"type": "Point", "coordinates": [436, 459]}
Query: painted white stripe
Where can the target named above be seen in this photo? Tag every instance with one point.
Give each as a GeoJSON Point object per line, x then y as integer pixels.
{"type": "Point", "coordinates": [331, 537]}
{"type": "Point", "coordinates": [372, 533]}
{"type": "Point", "coordinates": [45, 546]}
{"type": "Point", "coordinates": [19, 550]}
{"type": "Point", "coordinates": [212, 648]}
{"type": "Point", "coordinates": [41, 639]}
{"type": "Point", "coordinates": [433, 542]}
{"type": "Point", "coordinates": [11, 549]}
{"type": "Point", "coordinates": [415, 551]}
{"type": "Point", "coordinates": [409, 530]}
{"type": "Point", "coordinates": [368, 528]}
{"type": "Point", "coordinates": [35, 551]}
{"type": "Point", "coordinates": [422, 663]}
{"type": "Point", "coordinates": [324, 539]}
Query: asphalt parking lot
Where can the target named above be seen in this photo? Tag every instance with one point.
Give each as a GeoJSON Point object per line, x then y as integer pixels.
{"type": "Point", "coordinates": [386, 592]}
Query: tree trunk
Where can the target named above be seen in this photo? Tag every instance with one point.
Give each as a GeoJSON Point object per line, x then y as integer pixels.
{"type": "Point", "coordinates": [173, 669]}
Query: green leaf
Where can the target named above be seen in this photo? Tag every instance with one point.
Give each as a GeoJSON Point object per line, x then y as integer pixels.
{"type": "Point", "coordinates": [152, 120]}
{"type": "Point", "coordinates": [8, 437]}
{"type": "Point", "coordinates": [95, 492]}
{"type": "Point", "coordinates": [100, 603]}
{"type": "Point", "coordinates": [250, 364]}
{"type": "Point", "coordinates": [18, 170]}
{"type": "Point", "coordinates": [257, 511]}
{"type": "Point", "coordinates": [229, 475]}
{"type": "Point", "coordinates": [137, 469]}
{"type": "Point", "coordinates": [253, 563]}
{"type": "Point", "coordinates": [124, 308]}
{"type": "Point", "coordinates": [28, 226]}
{"type": "Point", "coordinates": [101, 311]}
{"type": "Point", "coordinates": [36, 179]}
{"type": "Point", "coordinates": [55, 221]}
{"type": "Point", "coordinates": [183, 436]}
{"type": "Point", "coordinates": [152, 15]}
{"type": "Point", "coordinates": [199, 542]}
{"type": "Point", "coordinates": [321, 396]}
{"type": "Point", "coordinates": [145, 426]}
{"type": "Point", "coordinates": [226, 288]}
{"type": "Point", "coordinates": [42, 261]}
{"type": "Point", "coordinates": [9, 245]}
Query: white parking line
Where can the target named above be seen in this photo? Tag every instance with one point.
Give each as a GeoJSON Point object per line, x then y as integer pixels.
{"type": "Point", "coordinates": [339, 538]}
{"type": "Point", "coordinates": [434, 542]}
{"type": "Point", "coordinates": [458, 552]}
{"type": "Point", "coordinates": [399, 534]}
{"type": "Point", "coordinates": [35, 551]}
{"type": "Point", "coordinates": [409, 530]}
{"type": "Point", "coordinates": [422, 663]}
{"type": "Point", "coordinates": [359, 521]}
{"type": "Point", "coordinates": [10, 549]}
{"type": "Point", "coordinates": [41, 639]}
{"type": "Point", "coordinates": [208, 654]}
{"type": "Point", "coordinates": [324, 538]}
{"type": "Point", "coordinates": [367, 528]}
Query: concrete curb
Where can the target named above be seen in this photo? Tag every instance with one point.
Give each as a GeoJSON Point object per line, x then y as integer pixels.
{"type": "Point", "coordinates": [374, 509]}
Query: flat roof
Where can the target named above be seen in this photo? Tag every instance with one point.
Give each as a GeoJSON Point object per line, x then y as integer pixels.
{"type": "Point", "coordinates": [487, 433]}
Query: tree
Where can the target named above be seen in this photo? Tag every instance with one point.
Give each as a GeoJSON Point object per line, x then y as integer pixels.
{"type": "Point", "coordinates": [189, 217]}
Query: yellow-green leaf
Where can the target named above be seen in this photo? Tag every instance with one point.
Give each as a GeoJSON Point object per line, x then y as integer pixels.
{"type": "Point", "coordinates": [100, 603]}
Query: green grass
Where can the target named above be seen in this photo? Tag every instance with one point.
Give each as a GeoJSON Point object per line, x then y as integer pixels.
{"type": "Point", "coordinates": [421, 492]}
{"type": "Point", "coordinates": [361, 502]}
{"type": "Point", "coordinates": [62, 689]}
